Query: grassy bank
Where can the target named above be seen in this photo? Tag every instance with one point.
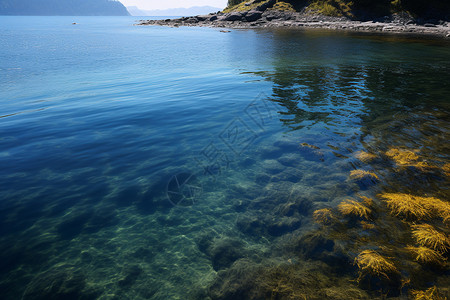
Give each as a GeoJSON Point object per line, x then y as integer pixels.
{"type": "Point", "coordinates": [355, 9]}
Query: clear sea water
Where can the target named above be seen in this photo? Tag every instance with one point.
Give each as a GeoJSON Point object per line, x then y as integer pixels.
{"type": "Point", "coordinates": [177, 163]}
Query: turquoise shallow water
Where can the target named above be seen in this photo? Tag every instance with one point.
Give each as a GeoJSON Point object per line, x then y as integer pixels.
{"type": "Point", "coordinates": [177, 163]}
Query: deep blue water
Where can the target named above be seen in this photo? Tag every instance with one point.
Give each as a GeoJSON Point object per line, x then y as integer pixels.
{"type": "Point", "coordinates": [137, 162]}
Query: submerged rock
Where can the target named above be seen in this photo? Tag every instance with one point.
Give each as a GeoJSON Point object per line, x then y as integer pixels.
{"type": "Point", "coordinates": [251, 281]}
{"type": "Point", "coordinates": [289, 159]}
{"type": "Point", "coordinates": [280, 226]}
{"type": "Point", "coordinates": [313, 246]}
{"type": "Point", "coordinates": [72, 226]}
{"type": "Point", "coordinates": [63, 282]}
{"type": "Point", "coordinates": [262, 179]}
{"type": "Point", "coordinates": [251, 225]}
{"type": "Point", "coordinates": [238, 282]}
{"type": "Point", "coordinates": [272, 166]}
{"type": "Point", "coordinates": [286, 145]}
{"type": "Point", "coordinates": [225, 252]}
{"type": "Point", "coordinates": [289, 174]}
{"type": "Point", "coordinates": [311, 152]}
{"type": "Point", "coordinates": [295, 207]}
{"type": "Point", "coordinates": [240, 205]}
{"type": "Point", "coordinates": [130, 275]}
{"type": "Point", "coordinates": [270, 152]}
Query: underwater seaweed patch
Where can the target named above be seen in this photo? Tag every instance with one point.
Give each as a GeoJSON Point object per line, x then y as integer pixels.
{"type": "Point", "coordinates": [406, 205]}
{"type": "Point", "coordinates": [416, 207]}
{"type": "Point", "coordinates": [446, 169]}
{"type": "Point", "coordinates": [354, 208]}
{"type": "Point", "coordinates": [307, 282]}
{"type": "Point", "coordinates": [372, 263]}
{"type": "Point", "coordinates": [446, 218]}
{"type": "Point", "coordinates": [424, 166]}
{"type": "Point", "coordinates": [247, 279]}
{"type": "Point", "coordinates": [430, 294]}
{"type": "Point", "coordinates": [324, 216]}
{"type": "Point", "coordinates": [426, 235]}
{"type": "Point", "coordinates": [365, 156]}
{"type": "Point", "coordinates": [438, 208]}
{"type": "Point", "coordinates": [309, 146]}
{"type": "Point", "coordinates": [361, 175]}
{"type": "Point", "coordinates": [409, 158]}
{"type": "Point", "coordinates": [367, 226]}
{"type": "Point", "coordinates": [402, 157]}
{"type": "Point", "coordinates": [426, 255]}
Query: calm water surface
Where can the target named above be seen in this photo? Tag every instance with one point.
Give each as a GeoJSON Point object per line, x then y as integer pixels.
{"type": "Point", "coordinates": [177, 163]}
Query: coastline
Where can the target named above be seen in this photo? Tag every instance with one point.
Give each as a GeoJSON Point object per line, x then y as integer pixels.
{"type": "Point", "coordinates": [397, 24]}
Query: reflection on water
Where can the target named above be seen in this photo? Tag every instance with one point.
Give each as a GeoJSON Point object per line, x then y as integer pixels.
{"type": "Point", "coordinates": [316, 176]}
{"type": "Point", "coordinates": [388, 120]}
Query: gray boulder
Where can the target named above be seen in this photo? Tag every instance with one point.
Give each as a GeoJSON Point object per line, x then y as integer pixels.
{"type": "Point", "coordinates": [191, 20]}
{"type": "Point", "coordinates": [203, 18]}
{"type": "Point", "coordinates": [235, 16]}
{"type": "Point", "coordinates": [278, 15]}
{"type": "Point", "coordinates": [253, 15]}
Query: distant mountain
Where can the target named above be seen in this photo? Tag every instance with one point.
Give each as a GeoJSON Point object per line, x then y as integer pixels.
{"type": "Point", "coordinates": [173, 12]}
{"type": "Point", "coordinates": [135, 11]}
{"type": "Point", "coordinates": [63, 8]}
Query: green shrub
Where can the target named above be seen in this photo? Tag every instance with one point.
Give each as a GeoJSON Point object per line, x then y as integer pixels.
{"type": "Point", "coordinates": [234, 2]}
{"type": "Point", "coordinates": [283, 6]}
{"type": "Point", "coordinates": [439, 9]}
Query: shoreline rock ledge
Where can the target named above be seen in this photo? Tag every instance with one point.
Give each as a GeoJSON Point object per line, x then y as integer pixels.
{"type": "Point", "coordinates": [267, 18]}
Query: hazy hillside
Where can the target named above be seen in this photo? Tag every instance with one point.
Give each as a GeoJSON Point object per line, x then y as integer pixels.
{"type": "Point", "coordinates": [192, 11]}
{"type": "Point", "coordinates": [356, 9]}
{"type": "Point", "coordinates": [63, 7]}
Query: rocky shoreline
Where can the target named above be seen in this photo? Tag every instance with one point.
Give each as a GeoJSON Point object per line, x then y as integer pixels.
{"type": "Point", "coordinates": [400, 23]}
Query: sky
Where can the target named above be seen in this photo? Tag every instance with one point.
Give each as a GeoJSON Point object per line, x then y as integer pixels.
{"type": "Point", "coordinates": [164, 4]}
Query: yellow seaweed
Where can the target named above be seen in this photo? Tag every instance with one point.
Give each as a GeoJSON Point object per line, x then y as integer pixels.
{"type": "Point", "coordinates": [372, 263]}
{"type": "Point", "coordinates": [366, 200]}
{"type": "Point", "coordinates": [354, 208]}
{"type": "Point", "coordinates": [361, 174]}
{"type": "Point", "coordinates": [426, 235]}
{"type": "Point", "coordinates": [423, 166]}
{"type": "Point", "coordinates": [402, 156]}
{"type": "Point", "coordinates": [323, 216]}
{"type": "Point", "coordinates": [446, 169]}
{"type": "Point", "coordinates": [365, 156]}
{"type": "Point", "coordinates": [416, 206]}
{"type": "Point", "coordinates": [408, 158]}
{"type": "Point", "coordinates": [446, 217]}
{"type": "Point", "coordinates": [366, 225]}
{"type": "Point", "coordinates": [430, 294]}
{"type": "Point", "coordinates": [407, 205]}
{"type": "Point", "coordinates": [437, 207]}
{"type": "Point", "coordinates": [426, 255]}
{"type": "Point", "coordinates": [309, 146]}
